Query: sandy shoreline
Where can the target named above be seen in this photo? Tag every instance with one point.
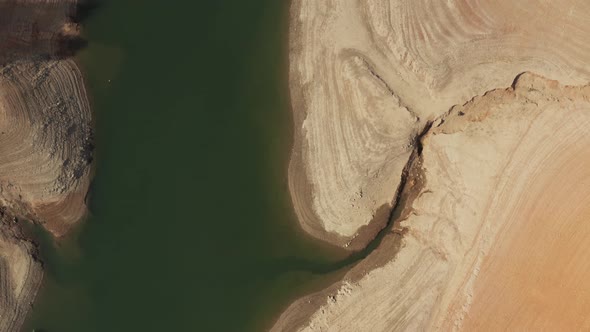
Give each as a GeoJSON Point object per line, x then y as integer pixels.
{"type": "Point", "coordinates": [364, 81]}
{"type": "Point", "coordinates": [46, 144]}
{"type": "Point", "coordinates": [300, 186]}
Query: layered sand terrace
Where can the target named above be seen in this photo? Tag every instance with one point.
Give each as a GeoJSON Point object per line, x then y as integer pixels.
{"type": "Point", "coordinates": [366, 77]}
{"type": "Point", "coordinates": [497, 238]}
{"type": "Point", "coordinates": [497, 228]}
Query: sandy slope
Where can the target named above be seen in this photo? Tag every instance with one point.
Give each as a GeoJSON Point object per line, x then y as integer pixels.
{"type": "Point", "coordinates": [20, 277]}
{"type": "Point", "coordinates": [497, 237]}
{"type": "Point", "coordinates": [45, 140]}
{"type": "Point", "coordinates": [366, 76]}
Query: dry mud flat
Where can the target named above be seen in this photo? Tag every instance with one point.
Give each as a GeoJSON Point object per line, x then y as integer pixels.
{"type": "Point", "coordinates": [496, 234]}
{"type": "Point", "coordinates": [45, 141]}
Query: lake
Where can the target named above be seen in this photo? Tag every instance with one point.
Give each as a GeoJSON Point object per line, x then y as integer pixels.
{"type": "Point", "coordinates": [191, 225]}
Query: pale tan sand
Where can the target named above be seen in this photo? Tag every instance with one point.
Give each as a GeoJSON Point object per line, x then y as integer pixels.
{"type": "Point", "coordinates": [536, 275]}
{"type": "Point", "coordinates": [496, 239]}
{"type": "Point", "coordinates": [366, 76]}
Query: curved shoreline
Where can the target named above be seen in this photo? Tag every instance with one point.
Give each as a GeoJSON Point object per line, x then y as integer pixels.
{"type": "Point", "coordinates": [328, 41]}
{"type": "Point", "coordinates": [333, 307]}
{"type": "Point", "coordinates": [52, 194]}
{"type": "Point", "coordinates": [300, 187]}
{"type": "Point", "coordinates": [46, 147]}
{"type": "Point", "coordinates": [338, 93]}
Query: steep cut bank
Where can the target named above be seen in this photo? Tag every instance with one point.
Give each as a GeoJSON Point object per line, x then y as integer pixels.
{"type": "Point", "coordinates": [497, 223]}
{"type": "Point", "coordinates": [45, 141]}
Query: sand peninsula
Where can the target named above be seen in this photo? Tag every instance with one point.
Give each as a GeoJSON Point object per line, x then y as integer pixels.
{"type": "Point", "coordinates": [470, 120]}
{"type": "Point", "coordinates": [45, 140]}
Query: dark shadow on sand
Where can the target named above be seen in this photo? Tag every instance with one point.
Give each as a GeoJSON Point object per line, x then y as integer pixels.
{"type": "Point", "coordinates": [42, 30]}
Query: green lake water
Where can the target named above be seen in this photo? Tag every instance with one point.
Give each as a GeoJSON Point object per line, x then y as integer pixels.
{"type": "Point", "coordinates": [191, 226]}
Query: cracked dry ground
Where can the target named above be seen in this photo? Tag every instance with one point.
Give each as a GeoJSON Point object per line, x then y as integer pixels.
{"type": "Point", "coordinates": [495, 233]}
